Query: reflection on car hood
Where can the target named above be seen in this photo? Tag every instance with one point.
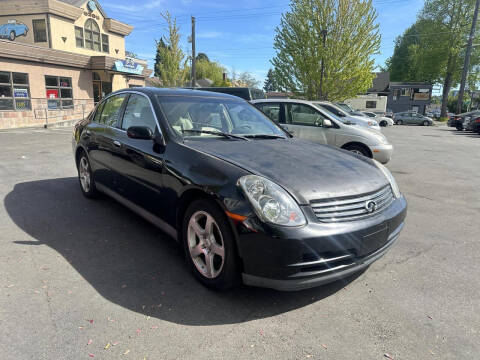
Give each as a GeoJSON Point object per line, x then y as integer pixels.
{"type": "Point", "coordinates": [308, 171]}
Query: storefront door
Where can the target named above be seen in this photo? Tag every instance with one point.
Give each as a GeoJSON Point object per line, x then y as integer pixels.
{"type": "Point", "coordinates": [97, 91]}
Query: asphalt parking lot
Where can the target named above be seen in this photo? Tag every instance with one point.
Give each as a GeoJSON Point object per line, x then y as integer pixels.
{"type": "Point", "coordinates": [82, 279]}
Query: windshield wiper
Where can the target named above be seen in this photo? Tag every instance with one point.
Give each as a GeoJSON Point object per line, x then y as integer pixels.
{"type": "Point", "coordinates": [219, 133]}
{"type": "Point", "coordinates": [265, 136]}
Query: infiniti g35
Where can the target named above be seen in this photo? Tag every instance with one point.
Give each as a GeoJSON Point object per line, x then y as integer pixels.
{"type": "Point", "coordinates": [246, 200]}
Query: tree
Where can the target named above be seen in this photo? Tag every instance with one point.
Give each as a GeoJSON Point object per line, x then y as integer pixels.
{"type": "Point", "coordinates": [433, 48]}
{"type": "Point", "coordinates": [202, 56]}
{"type": "Point", "coordinates": [248, 80]}
{"type": "Point", "coordinates": [158, 57]}
{"type": "Point", "coordinates": [171, 67]}
{"type": "Point", "coordinates": [270, 82]}
{"type": "Point", "coordinates": [352, 39]}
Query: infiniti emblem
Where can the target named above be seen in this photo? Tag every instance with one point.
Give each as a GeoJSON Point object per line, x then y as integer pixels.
{"type": "Point", "coordinates": [370, 206]}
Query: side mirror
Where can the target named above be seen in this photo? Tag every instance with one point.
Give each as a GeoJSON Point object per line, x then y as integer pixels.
{"type": "Point", "coordinates": [140, 133]}
{"type": "Point", "coordinates": [327, 123]}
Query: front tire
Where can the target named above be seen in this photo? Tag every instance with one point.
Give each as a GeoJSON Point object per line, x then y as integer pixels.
{"type": "Point", "coordinates": [399, 122]}
{"type": "Point", "coordinates": [85, 177]}
{"type": "Point", "coordinates": [209, 245]}
{"type": "Point", "coordinates": [426, 123]}
{"type": "Point", "coordinates": [383, 123]}
{"type": "Point", "coordinates": [12, 35]}
{"type": "Point", "coordinates": [358, 149]}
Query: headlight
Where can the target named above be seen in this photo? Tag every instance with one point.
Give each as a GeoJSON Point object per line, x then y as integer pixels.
{"type": "Point", "coordinates": [391, 179]}
{"type": "Point", "coordinates": [271, 203]}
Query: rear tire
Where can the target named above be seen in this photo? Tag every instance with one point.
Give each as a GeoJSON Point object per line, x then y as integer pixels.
{"type": "Point", "coordinates": [85, 177]}
{"type": "Point", "coordinates": [209, 245]}
{"type": "Point", "coordinates": [399, 122]}
{"type": "Point", "coordinates": [358, 149]}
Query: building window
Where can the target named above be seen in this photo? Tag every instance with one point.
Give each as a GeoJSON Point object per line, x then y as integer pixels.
{"type": "Point", "coordinates": [371, 105]}
{"type": "Point", "coordinates": [14, 91]}
{"type": "Point", "coordinates": [79, 36]}
{"type": "Point", "coordinates": [59, 92]}
{"type": "Point", "coordinates": [39, 30]}
{"type": "Point", "coordinates": [406, 92]}
{"type": "Point", "coordinates": [105, 45]}
{"type": "Point", "coordinates": [396, 94]}
{"type": "Point", "coordinates": [92, 35]}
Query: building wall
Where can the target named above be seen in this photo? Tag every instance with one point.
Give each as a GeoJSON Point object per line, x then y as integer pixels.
{"type": "Point", "coordinates": [82, 88]}
{"type": "Point", "coordinates": [26, 20]}
{"type": "Point", "coordinates": [400, 103]}
{"type": "Point", "coordinates": [360, 103]}
{"type": "Point", "coordinates": [61, 27]}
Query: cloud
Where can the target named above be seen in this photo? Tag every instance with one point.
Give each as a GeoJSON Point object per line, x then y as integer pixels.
{"type": "Point", "coordinates": [209, 35]}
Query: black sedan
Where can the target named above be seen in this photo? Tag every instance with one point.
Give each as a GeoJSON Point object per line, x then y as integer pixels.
{"type": "Point", "coordinates": [246, 200]}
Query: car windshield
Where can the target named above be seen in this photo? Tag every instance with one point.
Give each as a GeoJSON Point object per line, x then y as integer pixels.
{"type": "Point", "coordinates": [204, 116]}
{"type": "Point", "coordinates": [329, 113]}
{"type": "Point", "coordinates": [346, 108]}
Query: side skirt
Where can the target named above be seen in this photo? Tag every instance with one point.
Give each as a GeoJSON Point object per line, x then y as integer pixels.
{"type": "Point", "coordinates": [155, 220]}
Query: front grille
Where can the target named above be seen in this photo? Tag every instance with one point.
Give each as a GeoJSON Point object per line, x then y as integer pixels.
{"type": "Point", "coordinates": [353, 208]}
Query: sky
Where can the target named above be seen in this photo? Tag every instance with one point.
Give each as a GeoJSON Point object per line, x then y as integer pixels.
{"type": "Point", "coordinates": [237, 34]}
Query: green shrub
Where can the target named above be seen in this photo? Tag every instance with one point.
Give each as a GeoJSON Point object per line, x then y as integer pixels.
{"type": "Point", "coordinates": [443, 119]}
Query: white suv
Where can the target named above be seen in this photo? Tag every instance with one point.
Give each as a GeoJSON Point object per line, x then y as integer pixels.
{"type": "Point", "coordinates": [307, 121]}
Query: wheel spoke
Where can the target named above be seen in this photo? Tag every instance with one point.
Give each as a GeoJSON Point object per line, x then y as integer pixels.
{"type": "Point", "coordinates": [197, 229]}
{"type": "Point", "coordinates": [208, 225]}
{"type": "Point", "coordinates": [209, 265]}
{"type": "Point", "coordinates": [217, 249]}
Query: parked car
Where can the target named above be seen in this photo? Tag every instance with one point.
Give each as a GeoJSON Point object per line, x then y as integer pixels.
{"type": "Point", "coordinates": [245, 200]}
{"type": "Point", "coordinates": [476, 123]}
{"type": "Point", "coordinates": [13, 29]}
{"type": "Point", "coordinates": [310, 122]}
{"type": "Point", "coordinates": [382, 120]}
{"type": "Point", "coordinates": [358, 120]}
{"type": "Point", "coordinates": [410, 117]}
{"type": "Point", "coordinates": [242, 92]}
{"type": "Point", "coordinates": [463, 121]}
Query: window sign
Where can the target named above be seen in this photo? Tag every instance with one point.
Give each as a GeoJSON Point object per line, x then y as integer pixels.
{"type": "Point", "coordinates": [20, 93]}
{"type": "Point", "coordinates": [52, 93]}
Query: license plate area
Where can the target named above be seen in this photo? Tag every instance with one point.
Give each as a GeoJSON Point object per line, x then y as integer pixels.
{"type": "Point", "coordinates": [374, 241]}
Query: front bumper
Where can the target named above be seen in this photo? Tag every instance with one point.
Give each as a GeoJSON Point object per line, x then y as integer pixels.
{"type": "Point", "coordinates": [318, 253]}
{"type": "Point", "coordinates": [382, 153]}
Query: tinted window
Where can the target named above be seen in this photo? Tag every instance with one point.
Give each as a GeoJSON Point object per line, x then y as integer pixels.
{"type": "Point", "coordinates": [111, 110]}
{"type": "Point", "coordinates": [138, 113]}
{"type": "Point", "coordinates": [272, 111]}
{"type": "Point", "coordinates": [301, 114]}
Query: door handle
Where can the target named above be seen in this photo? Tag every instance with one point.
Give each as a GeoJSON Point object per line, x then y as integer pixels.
{"type": "Point", "coordinates": [117, 143]}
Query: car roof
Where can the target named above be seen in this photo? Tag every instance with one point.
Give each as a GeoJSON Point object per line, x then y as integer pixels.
{"type": "Point", "coordinates": [177, 92]}
{"type": "Point", "coordinates": [281, 100]}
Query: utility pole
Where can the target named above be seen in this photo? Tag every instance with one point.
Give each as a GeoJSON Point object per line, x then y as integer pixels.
{"type": "Point", "coordinates": [194, 75]}
{"type": "Point", "coordinates": [467, 58]}
{"type": "Point", "coordinates": [322, 68]}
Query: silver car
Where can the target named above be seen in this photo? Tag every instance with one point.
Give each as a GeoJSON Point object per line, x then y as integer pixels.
{"type": "Point", "coordinates": [411, 117]}
{"type": "Point", "coordinates": [310, 122]}
{"type": "Point", "coordinates": [341, 113]}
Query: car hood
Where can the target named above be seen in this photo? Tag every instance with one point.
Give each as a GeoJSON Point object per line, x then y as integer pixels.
{"type": "Point", "coordinates": [306, 170]}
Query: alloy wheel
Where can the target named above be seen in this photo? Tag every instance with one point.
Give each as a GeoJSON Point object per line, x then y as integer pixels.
{"type": "Point", "coordinates": [84, 174]}
{"type": "Point", "coordinates": [205, 244]}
